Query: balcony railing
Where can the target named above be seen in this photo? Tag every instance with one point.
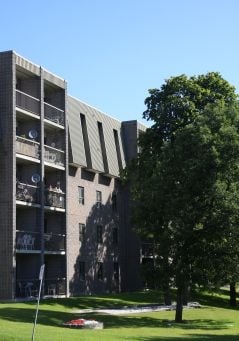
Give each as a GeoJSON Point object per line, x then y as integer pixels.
{"type": "Point", "coordinates": [54, 242]}
{"type": "Point", "coordinates": [27, 147]}
{"type": "Point", "coordinates": [28, 240]}
{"type": "Point", "coordinates": [29, 287]}
{"type": "Point", "coordinates": [27, 193]}
{"type": "Point", "coordinates": [55, 286]}
{"type": "Point", "coordinates": [54, 156]}
{"type": "Point", "coordinates": [54, 198]}
{"type": "Point", "coordinates": [54, 114]}
{"type": "Point", "coordinates": [27, 102]}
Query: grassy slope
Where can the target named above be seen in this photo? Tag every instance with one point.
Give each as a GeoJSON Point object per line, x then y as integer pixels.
{"type": "Point", "coordinates": [214, 322]}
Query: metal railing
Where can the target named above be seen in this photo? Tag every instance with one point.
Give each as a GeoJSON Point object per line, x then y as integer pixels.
{"type": "Point", "coordinates": [28, 240]}
{"type": "Point", "coordinates": [29, 287]}
{"type": "Point", "coordinates": [54, 198]}
{"type": "Point", "coordinates": [55, 156]}
{"type": "Point", "coordinates": [27, 102]}
{"type": "Point", "coordinates": [55, 286]}
{"type": "Point", "coordinates": [27, 147]}
{"type": "Point", "coordinates": [54, 114]}
{"type": "Point", "coordinates": [54, 242]}
{"type": "Point", "coordinates": [27, 193]}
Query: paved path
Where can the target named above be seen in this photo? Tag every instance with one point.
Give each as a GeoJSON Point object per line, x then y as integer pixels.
{"type": "Point", "coordinates": [136, 309]}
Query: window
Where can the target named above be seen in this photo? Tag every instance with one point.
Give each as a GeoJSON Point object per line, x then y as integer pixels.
{"type": "Point", "coordinates": [82, 233]}
{"type": "Point", "coordinates": [100, 270]}
{"type": "Point", "coordinates": [117, 148]}
{"type": "Point", "coordinates": [98, 198]}
{"type": "Point", "coordinates": [102, 146]}
{"type": "Point", "coordinates": [86, 140]}
{"type": "Point", "coordinates": [116, 271]}
{"type": "Point", "coordinates": [115, 235]}
{"type": "Point", "coordinates": [81, 191]}
{"type": "Point", "coordinates": [82, 271]}
{"type": "Point", "coordinates": [99, 234]}
{"type": "Point", "coordinates": [114, 201]}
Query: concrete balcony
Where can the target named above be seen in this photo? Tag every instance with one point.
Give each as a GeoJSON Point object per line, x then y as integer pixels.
{"type": "Point", "coordinates": [54, 198]}
{"type": "Point", "coordinates": [55, 286]}
{"type": "Point", "coordinates": [27, 193]}
{"type": "Point", "coordinates": [29, 287]}
{"type": "Point", "coordinates": [54, 243]}
{"type": "Point", "coordinates": [27, 147]}
{"type": "Point", "coordinates": [54, 156]}
{"type": "Point", "coordinates": [30, 242]}
{"type": "Point", "coordinates": [53, 114]}
{"type": "Point", "coordinates": [27, 102]}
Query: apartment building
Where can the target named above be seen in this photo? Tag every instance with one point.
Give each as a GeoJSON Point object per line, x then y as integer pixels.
{"type": "Point", "coordinates": [61, 199]}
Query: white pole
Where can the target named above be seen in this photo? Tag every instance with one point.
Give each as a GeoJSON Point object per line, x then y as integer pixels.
{"type": "Point", "coordinates": [38, 299]}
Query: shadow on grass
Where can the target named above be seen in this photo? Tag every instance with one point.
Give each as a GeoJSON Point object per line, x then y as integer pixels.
{"type": "Point", "coordinates": [142, 297]}
{"type": "Point", "coordinates": [112, 321]}
{"type": "Point", "coordinates": [190, 337]}
{"type": "Point", "coordinates": [108, 301]}
{"type": "Point", "coordinates": [25, 315]}
{"type": "Point", "coordinates": [56, 318]}
{"type": "Point", "coordinates": [213, 299]}
{"type": "Point", "coordinates": [224, 291]}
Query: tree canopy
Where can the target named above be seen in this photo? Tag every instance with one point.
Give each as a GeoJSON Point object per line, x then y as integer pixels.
{"type": "Point", "coordinates": [185, 181]}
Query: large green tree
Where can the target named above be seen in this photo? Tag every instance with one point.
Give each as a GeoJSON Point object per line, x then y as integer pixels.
{"type": "Point", "coordinates": [185, 181]}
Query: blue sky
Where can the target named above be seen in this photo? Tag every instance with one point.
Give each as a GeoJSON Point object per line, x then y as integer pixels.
{"type": "Point", "coordinates": [112, 51]}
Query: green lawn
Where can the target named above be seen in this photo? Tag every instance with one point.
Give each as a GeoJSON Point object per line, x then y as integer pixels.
{"type": "Point", "coordinates": [214, 322]}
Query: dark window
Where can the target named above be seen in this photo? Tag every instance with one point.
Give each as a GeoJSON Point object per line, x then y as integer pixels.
{"type": "Point", "coordinates": [86, 140]}
{"type": "Point", "coordinates": [117, 147]}
{"type": "Point", "coordinates": [82, 270]}
{"type": "Point", "coordinates": [116, 271]}
{"type": "Point", "coordinates": [99, 234]}
{"type": "Point", "coordinates": [82, 233]}
{"type": "Point", "coordinates": [81, 191]}
{"type": "Point", "coordinates": [114, 201]}
{"type": "Point", "coordinates": [98, 198]}
{"type": "Point", "coordinates": [102, 145]}
{"type": "Point", "coordinates": [100, 270]}
{"type": "Point", "coordinates": [115, 235]}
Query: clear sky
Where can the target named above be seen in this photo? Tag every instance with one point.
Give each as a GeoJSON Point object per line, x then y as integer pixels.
{"type": "Point", "coordinates": [112, 51]}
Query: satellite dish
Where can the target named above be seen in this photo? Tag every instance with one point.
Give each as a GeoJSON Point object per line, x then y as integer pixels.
{"type": "Point", "coordinates": [53, 144]}
{"type": "Point", "coordinates": [36, 178]}
{"type": "Point", "coordinates": [32, 134]}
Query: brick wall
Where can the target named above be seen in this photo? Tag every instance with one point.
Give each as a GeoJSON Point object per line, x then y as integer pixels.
{"type": "Point", "coordinates": [7, 172]}
{"type": "Point", "coordinates": [90, 251]}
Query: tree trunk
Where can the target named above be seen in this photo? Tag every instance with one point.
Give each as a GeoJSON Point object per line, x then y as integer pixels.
{"type": "Point", "coordinates": [233, 299]}
{"type": "Point", "coordinates": [179, 306]}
